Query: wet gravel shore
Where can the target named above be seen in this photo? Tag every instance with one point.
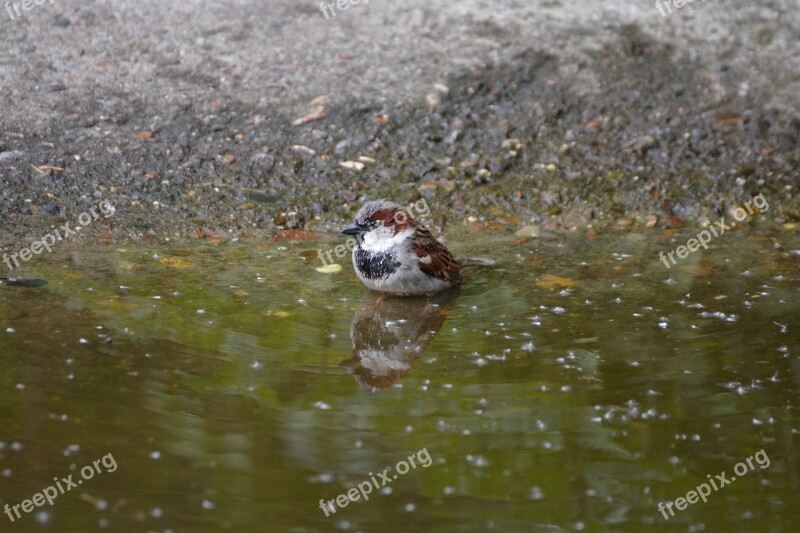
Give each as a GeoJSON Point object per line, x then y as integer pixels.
{"type": "Point", "coordinates": [242, 120]}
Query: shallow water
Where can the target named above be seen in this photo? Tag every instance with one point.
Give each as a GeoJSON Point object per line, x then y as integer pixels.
{"type": "Point", "coordinates": [573, 387]}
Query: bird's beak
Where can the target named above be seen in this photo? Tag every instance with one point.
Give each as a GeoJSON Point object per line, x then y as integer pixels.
{"type": "Point", "coordinates": [352, 230]}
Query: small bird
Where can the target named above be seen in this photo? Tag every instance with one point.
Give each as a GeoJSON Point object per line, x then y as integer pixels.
{"type": "Point", "coordinates": [396, 255]}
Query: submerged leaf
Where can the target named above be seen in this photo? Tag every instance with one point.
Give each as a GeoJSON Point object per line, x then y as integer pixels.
{"type": "Point", "coordinates": [549, 281]}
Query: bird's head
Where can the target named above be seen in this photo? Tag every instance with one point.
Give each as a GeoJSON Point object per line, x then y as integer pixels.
{"type": "Point", "coordinates": [380, 224]}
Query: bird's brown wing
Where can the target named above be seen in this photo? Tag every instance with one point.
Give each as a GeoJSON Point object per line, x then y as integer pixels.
{"type": "Point", "coordinates": [434, 259]}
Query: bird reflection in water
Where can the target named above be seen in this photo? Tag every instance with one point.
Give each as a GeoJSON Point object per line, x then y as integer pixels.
{"type": "Point", "coordinates": [390, 332]}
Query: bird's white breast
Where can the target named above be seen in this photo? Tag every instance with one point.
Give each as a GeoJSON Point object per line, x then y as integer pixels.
{"type": "Point", "coordinates": [383, 239]}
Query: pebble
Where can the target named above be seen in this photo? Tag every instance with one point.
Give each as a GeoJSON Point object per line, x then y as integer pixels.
{"type": "Point", "coordinates": [299, 148]}
{"type": "Point", "coordinates": [9, 154]}
{"type": "Point", "coordinates": [352, 165]}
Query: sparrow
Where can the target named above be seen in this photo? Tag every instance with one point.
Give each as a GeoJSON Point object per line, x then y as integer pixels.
{"type": "Point", "coordinates": [396, 255]}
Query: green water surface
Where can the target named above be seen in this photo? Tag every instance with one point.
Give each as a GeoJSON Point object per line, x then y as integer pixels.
{"type": "Point", "coordinates": [573, 387]}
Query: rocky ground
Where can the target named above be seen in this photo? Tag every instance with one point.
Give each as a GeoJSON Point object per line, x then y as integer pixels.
{"type": "Point", "coordinates": [201, 119]}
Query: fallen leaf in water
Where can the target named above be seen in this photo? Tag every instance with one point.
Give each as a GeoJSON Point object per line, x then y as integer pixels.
{"type": "Point", "coordinates": [698, 271]}
{"type": "Point", "coordinates": [549, 281]}
{"type": "Point", "coordinates": [494, 226]}
{"type": "Point", "coordinates": [511, 220]}
{"type": "Point", "coordinates": [294, 235]}
{"type": "Point", "coordinates": [329, 269]}
{"type": "Point", "coordinates": [529, 231]}
{"type": "Point", "coordinates": [175, 262]}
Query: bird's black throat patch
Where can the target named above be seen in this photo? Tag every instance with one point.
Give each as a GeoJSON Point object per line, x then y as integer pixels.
{"type": "Point", "coordinates": [375, 265]}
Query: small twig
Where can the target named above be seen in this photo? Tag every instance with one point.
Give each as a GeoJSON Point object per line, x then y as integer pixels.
{"type": "Point", "coordinates": [50, 167]}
